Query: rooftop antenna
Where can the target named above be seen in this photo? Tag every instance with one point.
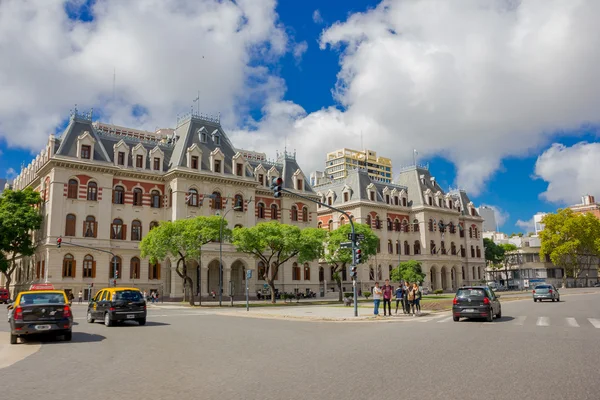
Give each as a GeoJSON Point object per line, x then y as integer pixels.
{"type": "Point", "coordinates": [197, 100]}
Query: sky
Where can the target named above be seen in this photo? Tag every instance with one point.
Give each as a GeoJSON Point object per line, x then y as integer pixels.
{"type": "Point", "coordinates": [500, 97]}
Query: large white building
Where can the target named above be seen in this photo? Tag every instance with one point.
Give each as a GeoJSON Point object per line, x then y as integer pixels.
{"type": "Point", "coordinates": [489, 218]}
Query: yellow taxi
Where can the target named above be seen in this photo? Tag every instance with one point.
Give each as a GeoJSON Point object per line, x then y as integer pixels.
{"type": "Point", "coordinates": [40, 311]}
{"type": "Point", "coordinates": [117, 304]}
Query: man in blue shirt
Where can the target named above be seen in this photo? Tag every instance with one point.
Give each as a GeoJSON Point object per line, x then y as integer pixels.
{"type": "Point", "coordinates": [399, 298]}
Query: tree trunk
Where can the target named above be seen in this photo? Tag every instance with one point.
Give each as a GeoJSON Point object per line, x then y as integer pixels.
{"type": "Point", "coordinates": [339, 285]}
{"type": "Point", "coordinates": [189, 288]}
{"type": "Point", "coordinates": [8, 282]}
{"type": "Point", "coordinates": [272, 286]}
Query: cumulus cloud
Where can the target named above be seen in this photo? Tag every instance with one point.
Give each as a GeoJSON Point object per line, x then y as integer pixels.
{"type": "Point", "coordinates": [163, 52]}
{"type": "Point", "coordinates": [571, 172]}
{"type": "Point", "coordinates": [299, 50]}
{"type": "Point", "coordinates": [317, 18]}
{"type": "Point", "coordinates": [527, 226]}
{"type": "Point", "coordinates": [11, 173]}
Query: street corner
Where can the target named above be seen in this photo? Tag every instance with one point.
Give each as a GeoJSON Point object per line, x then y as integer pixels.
{"type": "Point", "coordinates": [11, 354]}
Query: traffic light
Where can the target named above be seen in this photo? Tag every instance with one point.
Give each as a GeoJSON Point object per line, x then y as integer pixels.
{"type": "Point", "coordinates": [357, 256]}
{"type": "Point", "coordinates": [58, 242]}
{"type": "Point", "coordinates": [276, 186]}
{"type": "Point", "coordinates": [353, 272]}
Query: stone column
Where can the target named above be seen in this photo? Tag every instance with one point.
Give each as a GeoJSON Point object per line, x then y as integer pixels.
{"type": "Point", "coordinates": [449, 283]}
{"type": "Point", "coordinates": [204, 280]}
{"type": "Point", "coordinates": [226, 280]}
{"type": "Point", "coordinates": [438, 278]}
{"type": "Point", "coordinates": [176, 284]}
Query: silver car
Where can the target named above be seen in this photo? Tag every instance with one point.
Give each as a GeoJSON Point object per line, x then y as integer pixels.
{"type": "Point", "coordinates": [545, 292]}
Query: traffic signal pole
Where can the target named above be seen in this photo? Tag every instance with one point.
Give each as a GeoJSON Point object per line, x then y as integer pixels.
{"type": "Point", "coordinates": [277, 189]}
{"type": "Point", "coordinates": [59, 242]}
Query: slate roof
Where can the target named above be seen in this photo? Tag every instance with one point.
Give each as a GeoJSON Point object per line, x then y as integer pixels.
{"type": "Point", "coordinates": [357, 181]}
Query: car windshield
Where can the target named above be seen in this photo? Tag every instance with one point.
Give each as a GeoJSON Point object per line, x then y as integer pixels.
{"type": "Point", "coordinates": [128, 295]}
{"type": "Point", "coordinates": [42, 298]}
{"type": "Point", "coordinates": [542, 287]}
{"type": "Point", "coordinates": [470, 293]}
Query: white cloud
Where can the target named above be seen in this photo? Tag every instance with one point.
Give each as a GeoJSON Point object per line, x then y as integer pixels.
{"type": "Point", "coordinates": [500, 215]}
{"type": "Point", "coordinates": [527, 226]}
{"type": "Point", "coordinates": [162, 56]}
{"type": "Point", "coordinates": [571, 172]}
{"type": "Point", "coordinates": [299, 50]}
{"type": "Point", "coordinates": [317, 18]}
{"type": "Point", "coordinates": [11, 173]}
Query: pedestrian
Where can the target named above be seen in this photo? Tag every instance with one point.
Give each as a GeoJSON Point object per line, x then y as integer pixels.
{"type": "Point", "coordinates": [213, 294]}
{"type": "Point", "coordinates": [417, 300]}
{"type": "Point", "coordinates": [80, 296]}
{"type": "Point", "coordinates": [387, 297]}
{"type": "Point", "coordinates": [411, 300]}
{"type": "Point", "coordinates": [145, 296]}
{"type": "Point", "coordinates": [399, 297]}
{"type": "Point", "coordinates": [405, 304]}
{"type": "Point", "coordinates": [376, 298]}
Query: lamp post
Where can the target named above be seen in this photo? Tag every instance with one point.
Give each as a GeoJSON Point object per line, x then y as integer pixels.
{"type": "Point", "coordinates": [237, 208]}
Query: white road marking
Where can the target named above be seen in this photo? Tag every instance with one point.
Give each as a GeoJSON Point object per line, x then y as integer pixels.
{"type": "Point", "coordinates": [445, 319]}
{"type": "Point", "coordinates": [572, 322]}
{"type": "Point", "coordinates": [520, 320]}
{"type": "Point", "coordinates": [595, 322]}
{"type": "Point", "coordinates": [543, 321]}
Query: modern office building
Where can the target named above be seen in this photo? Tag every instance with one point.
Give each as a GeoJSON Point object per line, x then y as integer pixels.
{"type": "Point", "coordinates": [489, 218]}
{"type": "Point", "coordinates": [340, 162]}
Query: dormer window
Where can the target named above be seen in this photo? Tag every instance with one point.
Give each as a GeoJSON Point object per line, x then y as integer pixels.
{"type": "Point", "coordinates": [261, 179]}
{"type": "Point", "coordinates": [239, 167]}
{"type": "Point", "coordinates": [346, 196]}
{"type": "Point", "coordinates": [330, 200]}
{"type": "Point", "coordinates": [387, 199]}
{"type": "Point", "coordinates": [156, 164]}
{"type": "Point", "coordinates": [300, 184]}
{"type": "Point", "coordinates": [372, 196]}
{"type": "Point", "coordinates": [404, 202]}
{"type": "Point", "coordinates": [121, 158]}
{"type": "Point", "coordinates": [395, 200]}
{"type": "Point", "coordinates": [218, 166]}
{"type": "Point", "coordinates": [440, 202]}
{"type": "Point", "coordinates": [139, 161]}
{"type": "Point", "coordinates": [430, 200]}
{"type": "Point", "coordinates": [86, 151]}
{"type": "Point", "coordinates": [203, 137]}
{"type": "Point", "coordinates": [194, 162]}
{"type": "Point", "coordinates": [217, 140]}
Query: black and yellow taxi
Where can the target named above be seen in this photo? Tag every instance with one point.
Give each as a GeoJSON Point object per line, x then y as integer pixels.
{"type": "Point", "coordinates": [40, 312]}
{"type": "Point", "coordinates": [117, 304]}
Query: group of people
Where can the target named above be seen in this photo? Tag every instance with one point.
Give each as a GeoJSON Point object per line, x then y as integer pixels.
{"type": "Point", "coordinates": [152, 298]}
{"type": "Point", "coordinates": [409, 295]}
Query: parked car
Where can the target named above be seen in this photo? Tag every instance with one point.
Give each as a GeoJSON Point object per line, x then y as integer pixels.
{"type": "Point", "coordinates": [476, 302]}
{"type": "Point", "coordinates": [545, 292]}
{"type": "Point", "coordinates": [40, 312]}
{"type": "Point", "coordinates": [4, 296]}
{"type": "Point", "coordinates": [116, 305]}
{"type": "Point", "coordinates": [597, 284]}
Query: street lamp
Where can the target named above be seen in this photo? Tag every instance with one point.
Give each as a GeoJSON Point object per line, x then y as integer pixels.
{"type": "Point", "coordinates": [236, 208]}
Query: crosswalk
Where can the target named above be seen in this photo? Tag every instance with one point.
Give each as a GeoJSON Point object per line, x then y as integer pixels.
{"type": "Point", "coordinates": [541, 321]}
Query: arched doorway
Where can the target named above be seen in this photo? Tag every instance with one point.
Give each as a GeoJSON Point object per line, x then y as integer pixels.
{"type": "Point", "coordinates": [212, 283]}
{"type": "Point", "coordinates": [321, 274]}
{"type": "Point", "coordinates": [238, 277]}
{"type": "Point", "coordinates": [432, 278]}
{"type": "Point", "coordinates": [444, 279]}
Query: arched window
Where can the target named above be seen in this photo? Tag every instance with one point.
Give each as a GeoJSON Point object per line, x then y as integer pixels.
{"type": "Point", "coordinates": [238, 226]}
{"type": "Point", "coordinates": [73, 189]}
{"type": "Point", "coordinates": [472, 252]}
{"type": "Point", "coordinates": [407, 248]}
{"type": "Point", "coordinates": [463, 252]}
{"type": "Point", "coordinates": [397, 225]}
{"type": "Point", "coordinates": [452, 248]}
{"type": "Point", "coordinates": [389, 224]}
{"type": "Point", "coordinates": [379, 274]}
{"type": "Point", "coordinates": [416, 225]}
{"type": "Point", "coordinates": [217, 202]}
{"type": "Point", "coordinates": [238, 202]}
{"type": "Point", "coordinates": [342, 221]}
{"type": "Point", "coordinates": [134, 268]}
{"type": "Point", "coordinates": [330, 225]}
{"type": "Point", "coordinates": [261, 271]}
{"type": "Point", "coordinates": [432, 246]}
{"type": "Point", "coordinates": [70, 225]}
{"type": "Point", "coordinates": [306, 272]}
{"type": "Point", "coordinates": [475, 233]}
{"type": "Point", "coordinates": [155, 199]}
{"type": "Point", "coordinates": [417, 247]}
{"type": "Point", "coordinates": [115, 263]}
{"type": "Point", "coordinates": [119, 195]}
{"type": "Point", "coordinates": [137, 197]}
{"type": "Point", "coordinates": [136, 230]}
{"type": "Point", "coordinates": [320, 225]}
{"type": "Point", "coordinates": [153, 225]}
{"type": "Point", "coordinates": [478, 252]}
{"type": "Point", "coordinates": [390, 247]}
{"type": "Point", "coordinates": [89, 267]}
{"type": "Point", "coordinates": [294, 213]}
{"type": "Point", "coordinates": [274, 211]}
{"type": "Point", "coordinates": [377, 222]}
{"type": "Point", "coordinates": [304, 214]}
{"type": "Point", "coordinates": [260, 207]}
{"type": "Point", "coordinates": [405, 228]}
{"type": "Point", "coordinates": [68, 270]}
{"type": "Point", "coordinates": [461, 230]}
{"type": "Point", "coordinates": [90, 227]}
{"type": "Point", "coordinates": [390, 268]}
{"type": "Point", "coordinates": [452, 227]}
{"type": "Point", "coordinates": [117, 230]}
{"type": "Point", "coordinates": [321, 274]}
{"type": "Point", "coordinates": [398, 246]}
{"type": "Point", "coordinates": [471, 232]}
{"type": "Point", "coordinates": [192, 198]}
{"type": "Point", "coordinates": [154, 271]}
{"type": "Point", "coordinates": [92, 191]}
{"type": "Point", "coordinates": [443, 247]}
{"type": "Point", "coordinates": [463, 273]}
{"type": "Point", "coordinates": [368, 220]}
{"type": "Point", "coordinates": [371, 274]}
{"type": "Point", "coordinates": [430, 225]}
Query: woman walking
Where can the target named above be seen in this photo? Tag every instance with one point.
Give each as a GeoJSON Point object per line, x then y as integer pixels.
{"type": "Point", "coordinates": [411, 300]}
{"type": "Point", "coordinates": [376, 298]}
{"type": "Point", "coordinates": [417, 299]}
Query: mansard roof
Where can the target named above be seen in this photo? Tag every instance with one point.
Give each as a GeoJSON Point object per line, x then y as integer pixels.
{"type": "Point", "coordinates": [461, 196]}
{"type": "Point", "coordinates": [418, 180]}
{"type": "Point", "coordinates": [286, 166]}
{"type": "Point", "coordinates": [358, 182]}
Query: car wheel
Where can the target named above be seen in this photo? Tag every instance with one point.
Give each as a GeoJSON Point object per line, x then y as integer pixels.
{"type": "Point", "coordinates": [499, 315]}
{"type": "Point", "coordinates": [107, 320]}
{"type": "Point", "coordinates": [89, 317]}
{"type": "Point", "coordinates": [490, 318]}
{"type": "Point", "coordinates": [558, 299]}
{"type": "Point", "coordinates": [142, 321]}
{"type": "Point", "coordinates": [456, 319]}
{"type": "Point", "coordinates": [13, 339]}
{"type": "Point", "coordinates": [68, 336]}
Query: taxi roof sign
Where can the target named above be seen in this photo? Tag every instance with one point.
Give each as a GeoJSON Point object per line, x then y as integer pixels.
{"type": "Point", "coordinates": [41, 286]}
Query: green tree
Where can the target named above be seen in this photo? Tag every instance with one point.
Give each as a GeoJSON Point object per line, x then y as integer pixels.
{"type": "Point", "coordinates": [19, 217]}
{"type": "Point", "coordinates": [182, 240]}
{"type": "Point", "coordinates": [274, 244]}
{"type": "Point", "coordinates": [509, 257]}
{"type": "Point", "coordinates": [339, 258]}
{"type": "Point", "coordinates": [410, 271]}
{"type": "Point", "coordinates": [571, 241]}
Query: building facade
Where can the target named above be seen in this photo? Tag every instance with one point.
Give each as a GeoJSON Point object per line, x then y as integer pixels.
{"type": "Point", "coordinates": [588, 205]}
{"type": "Point", "coordinates": [489, 218]}
{"type": "Point", "coordinates": [414, 219]}
{"type": "Point", "coordinates": [105, 187]}
{"type": "Point", "coordinates": [340, 162]}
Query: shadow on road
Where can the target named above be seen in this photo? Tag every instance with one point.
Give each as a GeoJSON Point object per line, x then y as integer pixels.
{"type": "Point", "coordinates": [131, 324]}
{"type": "Point", "coordinates": [479, 320]}
{"type": "Point", "coordinates": [78, 337]}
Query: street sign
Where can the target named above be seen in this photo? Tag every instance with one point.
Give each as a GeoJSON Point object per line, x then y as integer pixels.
{"type": "Point", "coordinates": [359, 236]}
{"type": "Point", "coordinates": [249, 274]}
{"type": "Point", "coordinates": [346, 245]}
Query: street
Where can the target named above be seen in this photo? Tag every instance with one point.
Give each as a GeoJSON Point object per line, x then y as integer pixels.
{"type": "Point", "coordinates": [536, 351]}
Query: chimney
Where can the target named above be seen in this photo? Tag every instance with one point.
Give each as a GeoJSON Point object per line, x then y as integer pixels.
{"type": "Point", "coordinates": [587, 200]}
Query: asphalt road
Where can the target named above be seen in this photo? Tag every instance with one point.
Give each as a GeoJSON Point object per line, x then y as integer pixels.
{"type": "Point", "coordinates": [536, 351]}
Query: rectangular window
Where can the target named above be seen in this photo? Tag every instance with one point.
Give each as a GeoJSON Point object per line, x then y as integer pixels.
{"type": "Point", "coordinates": [299, 184]}
{"type": "Point", "coordinates": [240, 169]}
{"type": "Point", "coordinates": [139, 161]}
{"type": "Point", "coordinates": [194, 162]}
{"type": "Point", "coordinates": [156, 163]}
{"type": "Point", "coordinates": [121, 158]}
{"type": "Point", "coordinates": [346, 196]}
{"type": "Point", "coordinates": [261, 179]}
{"type": "Point", "coordinates": [372, 196]}
{"type": "Point", "coordinates": [86, 151]}
{"type": "Point", "coordinates": [218, 166]}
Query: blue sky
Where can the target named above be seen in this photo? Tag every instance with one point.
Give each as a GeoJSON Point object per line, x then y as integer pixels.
{"type": "Point", "coordinates": [341, 44]}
